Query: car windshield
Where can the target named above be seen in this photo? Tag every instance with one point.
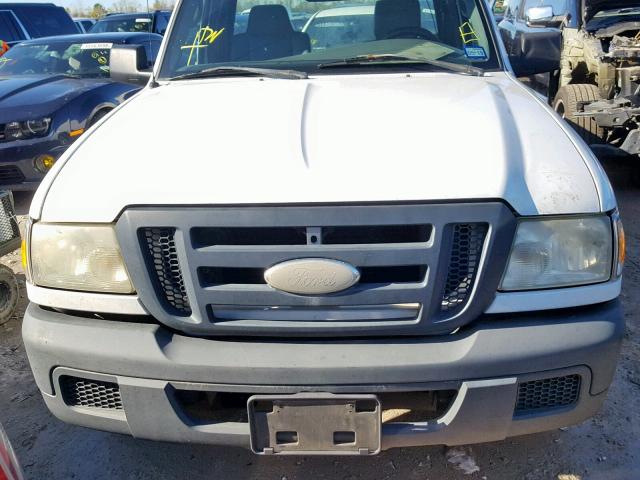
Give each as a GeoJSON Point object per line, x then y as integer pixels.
{"type": "Point", "coordinates": [607, 18]}
{"type": "Point", "coordinates": [69, 58]}
{"type": "Point", "coordinates": [217, 35]}
{"type": "Point", "coordinates": [126, 24]}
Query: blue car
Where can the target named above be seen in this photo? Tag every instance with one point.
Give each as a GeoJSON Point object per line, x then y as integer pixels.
{"type": "Point", "coordinates": [51, 90]}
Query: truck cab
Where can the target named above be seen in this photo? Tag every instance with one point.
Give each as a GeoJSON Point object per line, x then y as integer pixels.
{"type": "Point", "coordinates": [386, 241]}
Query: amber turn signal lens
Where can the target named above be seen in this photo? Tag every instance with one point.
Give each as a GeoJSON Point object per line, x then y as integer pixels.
{"type": "Point", "coordinates": [622, 245]}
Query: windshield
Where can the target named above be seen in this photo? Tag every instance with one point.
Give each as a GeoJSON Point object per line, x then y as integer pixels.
{"type": "Point", "coordinates": [126, 24]}
{"type": "Point", "coordinates": [78, 59]}
{"type": "Point", "coordinates": [249, 33]}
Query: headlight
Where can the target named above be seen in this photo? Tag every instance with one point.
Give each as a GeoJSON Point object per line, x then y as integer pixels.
{"type": "Point", "coordinates": [560, 253]}
{"type": "Point", "coordinates": [13, 131]}
{"type": "Point", "coordinates": [37, 127]}
{"type": "Point", "coordinates": [31, 128]}
{"type": "Point", "coordinates": [78, 257]}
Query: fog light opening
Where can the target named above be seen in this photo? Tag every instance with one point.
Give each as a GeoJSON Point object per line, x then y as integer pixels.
{"type": "Point", "coordinates": [43, 163]}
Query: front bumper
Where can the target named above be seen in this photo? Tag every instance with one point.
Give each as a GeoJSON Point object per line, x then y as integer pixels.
{"type": "Point", "coordinates": [484, 363]}
{"type": "Point", "coordinates": [21, 155]}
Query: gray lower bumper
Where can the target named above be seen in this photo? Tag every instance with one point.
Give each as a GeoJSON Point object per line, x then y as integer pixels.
{"type": "Point", "coordinates": [484, 363]}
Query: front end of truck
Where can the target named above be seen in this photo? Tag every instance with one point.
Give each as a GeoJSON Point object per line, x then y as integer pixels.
{"type": "Point", "coordinates": [353, 278]}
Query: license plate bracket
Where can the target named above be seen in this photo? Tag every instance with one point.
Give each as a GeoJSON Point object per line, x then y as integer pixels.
{"type": "Point", "coordinates": [315, 424]}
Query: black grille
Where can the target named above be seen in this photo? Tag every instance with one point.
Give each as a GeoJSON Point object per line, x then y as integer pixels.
{"type": "Point", "coordinates": [8, 225]}
{"type": "Point", "coordinates": [299, 235]}
{"type": "Point", "coordinates": [81, 392]}
{"type": "Point", "coordinates": [547, 393]}
{"type": "Point", "coordinates": [466, 250]}
{"type": "Point", "coordinates": [10, 174]}
{"type": "Point", "coordinates": [162, 255]}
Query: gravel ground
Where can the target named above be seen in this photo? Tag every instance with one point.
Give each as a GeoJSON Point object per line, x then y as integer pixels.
{"type": "Point", "coordinates": [605, 447]}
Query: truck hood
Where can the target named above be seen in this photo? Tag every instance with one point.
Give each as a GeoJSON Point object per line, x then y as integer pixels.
{"type": "Point", "coordinates": [591, 7]}
{"type": "Point", "coordinates": [378, 138]}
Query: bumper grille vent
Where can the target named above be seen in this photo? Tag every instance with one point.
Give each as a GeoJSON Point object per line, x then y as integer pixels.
{"type": "Point", "coordinates": [162, 255]}
{"type": "Point", "coordinates": [468, 239]}
{"type": "Point", "coordinates": [547, 393]}
{"type": "Point", "coordinates": [80, 392]}
{"type": "Point", "coordinates": [10, 174]}
{"type": "Point", "coordinates": [8, 225]}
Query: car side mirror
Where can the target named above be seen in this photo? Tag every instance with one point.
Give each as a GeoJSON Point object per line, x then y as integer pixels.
{"type": "Point", "coordinates": [539, 53]}
{"type": "Point", "coordinates": [541, 17]}
{"type": "Point", "coordinates": [129, 64]}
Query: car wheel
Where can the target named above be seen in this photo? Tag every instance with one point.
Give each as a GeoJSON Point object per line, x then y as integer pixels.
{"type": "Point", "coordinates": [567, 102]}
{"type": "Point", "coordinates": [9, 293]}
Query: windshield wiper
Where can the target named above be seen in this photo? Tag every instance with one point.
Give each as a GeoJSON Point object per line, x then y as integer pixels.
{"type": "Point", "coordinates": [402, 59]}
{"type": "Point", "coordinates": [243, 72]}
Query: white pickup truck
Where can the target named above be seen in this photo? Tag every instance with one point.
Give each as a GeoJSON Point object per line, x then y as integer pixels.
{"type": "Point", "coordinates": [387, 241]}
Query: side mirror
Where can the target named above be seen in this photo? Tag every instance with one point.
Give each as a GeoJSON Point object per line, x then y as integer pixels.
{"type": "Point", "coordinates": [539, 16]}
{"type": "Point", "coordinates": [129, 64]}
{"type": "Point", "coordinates": [539, 53]}
{"type": "Point", "coordinates": [542, 17]}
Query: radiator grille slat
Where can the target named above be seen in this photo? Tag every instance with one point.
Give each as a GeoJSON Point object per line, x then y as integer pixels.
{"type": "Point", "coordinates": [10, 174]}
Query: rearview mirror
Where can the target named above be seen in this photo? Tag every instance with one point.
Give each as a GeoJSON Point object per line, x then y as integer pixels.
{"type": "Point", "coordinates": [129, 64]}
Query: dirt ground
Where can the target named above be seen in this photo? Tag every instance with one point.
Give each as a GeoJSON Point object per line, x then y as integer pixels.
{"type": "Point", "coordinates": [605, 447]}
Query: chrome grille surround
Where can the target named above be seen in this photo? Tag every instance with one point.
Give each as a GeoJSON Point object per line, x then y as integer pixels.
{"type": "Point", "coordinates": [419, 270]}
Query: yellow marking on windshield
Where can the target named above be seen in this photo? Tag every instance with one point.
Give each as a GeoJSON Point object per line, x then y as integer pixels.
{"type": "Point", "coordinates": [4, 61]}
{"type": "Point", "coordinates": [102, 60]}
{"type": "Point", "coordinates": [467, 33]}
{"type": "Point", "coordinates": [204, 37]}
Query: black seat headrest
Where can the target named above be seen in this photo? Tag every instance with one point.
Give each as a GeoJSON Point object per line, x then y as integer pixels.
{"type": "Point", "coordinates": [269, 20]}
{"type": "Point", "coordinates": [393, 15]}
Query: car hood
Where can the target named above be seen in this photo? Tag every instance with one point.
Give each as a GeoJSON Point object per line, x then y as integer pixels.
{"type": "Point", "coordinates": [377, 138]}
{"type": "Point", "coordinates": [24, 97]}
{"type": "Point", "coordinates": [591, 7]}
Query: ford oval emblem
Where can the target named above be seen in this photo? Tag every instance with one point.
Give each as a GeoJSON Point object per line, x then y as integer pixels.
{"type": "Point", "coordinates": [312, 276]}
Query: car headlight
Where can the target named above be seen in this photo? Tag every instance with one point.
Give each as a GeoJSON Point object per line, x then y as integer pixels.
{"type": "Point", "coordinates": [37, 128]}
{"type": "Point", "coordinates": [560, 252]}
{"type": "Point", "coordinates": [30, 128]}
{"type": "Point", "coordinates": [77, 257]}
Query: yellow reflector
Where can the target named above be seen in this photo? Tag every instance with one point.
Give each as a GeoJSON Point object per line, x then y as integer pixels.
{"type": "Point", "coordinates": [23, 254]}
{"type": "Point", "coordinates": [75, 133]}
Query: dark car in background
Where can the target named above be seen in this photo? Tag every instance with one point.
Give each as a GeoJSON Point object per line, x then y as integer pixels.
{"type": "Point", "coordinates": [517, 28]}
{"type": "Point", "coordinates": [155, 22]}
{"type": "Point", "coordinates": [24, 21]}
{"type": "Point", "coordinates": [84, 24]}
{"type": "Point", "coordinates": [52, 90]}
